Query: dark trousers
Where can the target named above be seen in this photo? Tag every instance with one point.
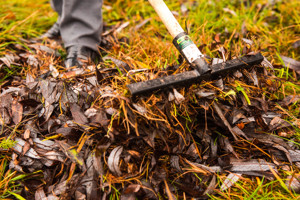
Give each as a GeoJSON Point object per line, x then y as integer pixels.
{"type": "Point", "coordinates": [80, 22]}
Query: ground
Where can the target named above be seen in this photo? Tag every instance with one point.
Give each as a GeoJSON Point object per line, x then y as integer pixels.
{"type": "Point", "coordinates": [80, 134]}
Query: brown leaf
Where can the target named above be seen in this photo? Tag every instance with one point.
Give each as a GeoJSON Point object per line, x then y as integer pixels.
{"type": "Point", "coordinates": [289, 100]}
{"type": "Point", "coordinates": [113, 160]}
{"type": "Point", "coordinates": [4, 117]}
{"type": "Point", "coordinates": [26, 134]}
{"type": "Point", "coordinates": [98, 164]}
{"type": "Point", "coordinates": [90, 184]}
{"type": "Point", "coordinates": [230, 11]}
{"type": "Point", "coordinates": [5, 100]}
{"type": "Point", "coordinates": [206, 94]}
{"type": "Point", "coordinates": [250, 165]}
{"type": "Point", "coordinates": [296, 44]}
{"type": "Point", "coordinates": [132, 188]}
{"type": "Point", "coordinates": [100, 118]}
{"type": "Point", "coordinates": [31, 60]}
{"type": "Point", "coordinates": [71, 153]}
{"type": "Point", "coordinates": [278, 123]}
{"type": "Point", "coordinates": [291, 63]}
{"type": "Point", "coordinates": [79, 195]}
{"type": "Point", "coordinates": [178, 97]}
{"type": "Point", "coordinates": [48, 90]}
{"type": "Point", "coordinates": [29, 78]}
{"type": "Point", "coordinates": [212, 185]}
{"type": "Point", "coordinates": [78, 115]}
{"type": "Point", "coordinates": [19, 149]}
{"type": "Point", "coordinates": [25, 149]}
{"type": "Point", "coordinates": [221, 115]}
{"type": "Point", "coordinates": [40, 194]}
{"type": "Point", "coordinates": [52, 155]}
{"type": "Point", "coordinates": [10, 90]}
{"type": "Point", "coordinates": [48, 110]}
{"type": "Point", "coordinates": [239, 132]}
{"type": "Point", "coordinates": [174, 161]}
{"type": "Point", "coordinates": [9, 59]}
{"type": "Point", "coordinates": [295, 155]}
{"type": "Point", "coordinates": [93, 80]}
{"type": "Point", "coordinates": [292, 182]}
{"type": "Point", "coordinates": [17, 111]}
{"type": "Point", "coordinates": [65, 131]}
{"type": "Point", "coordinates": [230, 180]}
{"type": "Point", "coordinates": [59, 188]}
{"type": "Point", "coordinates": [140, 25]}
{"type": "Point", "coordinates": [228, 147]}
{"type": "Point", "coordinates": [287, 153]}
{"type": "Point", "coordinates": [192, 151]}
{"type": "Point", "coordinates": [140, 108]}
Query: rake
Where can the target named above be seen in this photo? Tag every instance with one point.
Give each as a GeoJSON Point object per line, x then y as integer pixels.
{"type": "Point", "coordinates": [188, 49]}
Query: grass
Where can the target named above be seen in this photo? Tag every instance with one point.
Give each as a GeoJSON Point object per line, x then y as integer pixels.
{"type": "Point", "coordinates": [23, 19]}
{"type": "Point", "coordinates": [272, 27]}
{"type": "Point", "coordinates": [8, 185]}
{"type": "Point", "coordinates": [258, 188]}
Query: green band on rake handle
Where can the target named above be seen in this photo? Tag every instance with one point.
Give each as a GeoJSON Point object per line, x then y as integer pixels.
{"type": "Point", "coordinates": [182, 41]}
{"type": "Point", "coordinates": [190, 52]}
{"type": "Point", "coordinates": [189, 77]}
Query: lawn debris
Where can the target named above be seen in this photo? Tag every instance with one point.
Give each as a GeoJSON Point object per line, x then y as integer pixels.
{"type": "Point", "coordinates": [85, 137]}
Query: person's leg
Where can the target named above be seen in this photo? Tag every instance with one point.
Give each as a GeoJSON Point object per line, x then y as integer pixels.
{"type": "Point", "coordinates": [54, 32]}
{"type": "Point", "coordinates": [57, 6]}
{"type": "Point", "coordinates": [81, 23]}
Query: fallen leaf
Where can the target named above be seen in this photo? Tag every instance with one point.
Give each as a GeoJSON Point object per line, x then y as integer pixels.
{"type": "Point", "coordinates": [143, 23]}
{"type": "Point", "coordinates": [296, 44]}
{"type": "Point", "coordinates": [9, 59]}
{"type": "Point", "coordinates": [230, 180]}
{"type": "Point", "coordinates": [292, 182]}
{"type": "Point", "coordinates": [113, 160]}
{"type": "Point", "coordinates": [250, 165]}
{"type": "Point", "coordinates": [178, 97]}
{"type": "Point", "coordinates": [290, 99]}
{"type": "Point", "coordinates": [291, 63]}
{"type": "Point", "coordinates": [78, 115]}
{"type": "Point", "coordinates": [212, 185]}
{"type": "Point", "coordinates": [40, 194]}
{"type": "Point", "coordinates": [4, 117]}
{"type": "Point", "coordinates": [17, 111]}
{"type": "Point", "coordinates": [230, 11]}
{"type": "Point", "coordinates": [140, 108]}
{"type": "Point", "coordinates": [19, 149]}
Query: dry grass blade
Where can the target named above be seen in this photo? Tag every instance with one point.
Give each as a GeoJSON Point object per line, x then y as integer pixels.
{"type": "Point", "coordinates": [169, 193]}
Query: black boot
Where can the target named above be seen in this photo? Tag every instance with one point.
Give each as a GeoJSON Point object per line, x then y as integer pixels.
{"type": "Point", "coordinates": [52, 33]}
{"type": "Point", "coordinates": [81, 56]}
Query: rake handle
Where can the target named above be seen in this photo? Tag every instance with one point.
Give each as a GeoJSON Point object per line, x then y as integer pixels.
{"type": "Point", "coordinates": [166, 17]}
{"type": "Point", "coordinates": [181, 40]}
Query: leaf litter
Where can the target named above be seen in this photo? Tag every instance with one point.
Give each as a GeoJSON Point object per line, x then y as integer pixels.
{"type": "Point", "coordinates": [92, 140]}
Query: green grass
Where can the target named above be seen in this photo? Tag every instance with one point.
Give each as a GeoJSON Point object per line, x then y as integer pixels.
{"type": "Point", "coordinates": [273, 29]}
{"type": "Point", "coordinates": [8, 185]}
{"type": "Point", "coordinates": [256, 189]}
{"type": "Point", "coordinates": [23, 19]}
